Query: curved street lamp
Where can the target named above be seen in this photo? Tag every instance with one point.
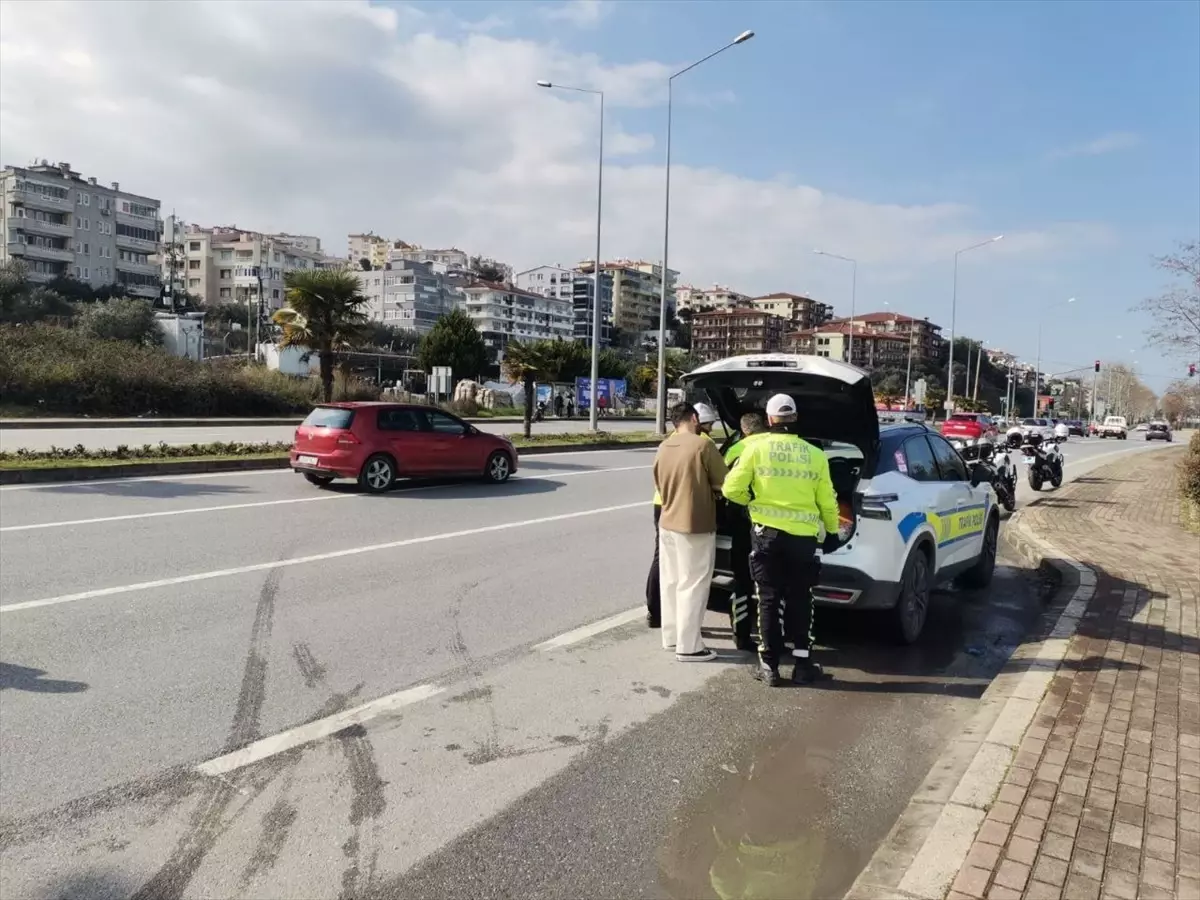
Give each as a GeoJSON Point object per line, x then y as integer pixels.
{"type": "Point", "coordinates": [954, 313]}
{"type": "Point", "coordinates": [661, 414]}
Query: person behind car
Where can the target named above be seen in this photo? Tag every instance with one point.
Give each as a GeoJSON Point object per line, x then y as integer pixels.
{"type": "Point", "coordinates": [753, 425]}
{"type": "Point", "coordinates": [784, 483]}
{"type": "Point", "coordinates": [688, 473]}
{"type": "Point", "coordinates": [705, 418]}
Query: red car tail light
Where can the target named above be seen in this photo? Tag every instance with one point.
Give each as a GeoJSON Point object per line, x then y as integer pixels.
{"type": "Point", "coordinates": [348, 440]}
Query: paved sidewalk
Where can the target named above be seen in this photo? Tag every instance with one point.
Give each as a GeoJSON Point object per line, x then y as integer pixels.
{"type": "Point", "coordinates": [1103, 797]}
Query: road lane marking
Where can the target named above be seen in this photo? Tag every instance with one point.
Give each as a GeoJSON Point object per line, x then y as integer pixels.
{"type": "Point", "coordinates": [314, 731]}
{"type": "Point", "coordinates": [578, 635]}
{"type": "Point", "coordinates": [305, 560]}
{"type": "Point", "coordinates": [205, 509]}
{"type": "Point", "coordinates": [172, 512]}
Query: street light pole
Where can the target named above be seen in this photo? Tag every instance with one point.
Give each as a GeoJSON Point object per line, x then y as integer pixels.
{"type": "Point", "coordinates": [661, 412]}
{"type": "Point", "coordinates": [853, 293]}
{"type": "Point", "coordinates": [597, 279]}
{"type": "Point", "coordinates": [954, 312]}
{"type": "Point", "coordinates": [978, 370]}
{"type": "Point", "coordinates": [908, 372]}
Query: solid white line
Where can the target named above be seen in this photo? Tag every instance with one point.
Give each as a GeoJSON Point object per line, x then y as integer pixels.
{"type": "Point", "coordinates": [314, 731]}
{"type": "Point", "coordinates": [174, 512]}
{"type": "Point", "coordinates": [577, 635]}
{"type": "Point", "coordinates": [205, 509]}
{"type": "Point", "coordinates": [304, 560]}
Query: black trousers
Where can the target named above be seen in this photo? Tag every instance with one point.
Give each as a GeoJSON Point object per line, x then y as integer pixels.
{"type": "Point", "coordinates": [653, 594]}
{"type": "Point", "coordinates": [784, 568]}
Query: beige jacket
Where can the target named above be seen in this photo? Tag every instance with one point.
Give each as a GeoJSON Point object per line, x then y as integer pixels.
{"type": "Point", "coordinates": [688, 472]}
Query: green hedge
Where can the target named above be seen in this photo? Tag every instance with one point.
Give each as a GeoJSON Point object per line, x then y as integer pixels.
{"type": "Point", "coordinates": [63, 371]}
{"type": "Point", "coordinates": [1190, 470]}
{"type": "Point", "coordinates": [147, 451]}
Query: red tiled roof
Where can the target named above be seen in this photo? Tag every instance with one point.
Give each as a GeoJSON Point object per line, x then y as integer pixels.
{"type": "Point", "coordinates": [886, 317]}
{"type": "Point", "coordinates": [843, 328]}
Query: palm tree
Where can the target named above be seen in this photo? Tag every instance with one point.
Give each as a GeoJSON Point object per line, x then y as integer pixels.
{"type": "Point", "coordinates": [324, 314]}
{"type": "Point", "coordinates": [525, 362]}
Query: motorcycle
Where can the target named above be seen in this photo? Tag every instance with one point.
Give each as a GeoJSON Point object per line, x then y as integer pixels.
{"type": "Point", "coordinates": [1045, 461]}
{"type": "Point", "coordinates": [1004, 479]}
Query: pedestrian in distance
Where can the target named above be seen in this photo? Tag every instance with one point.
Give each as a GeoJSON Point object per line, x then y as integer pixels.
{"type": "Point", "coordinates": [783, 481]}
{"type": "Point", "coordinates": [705, 417]}
{"type": "Point", "coordinates": [558, 406]}
{"type": "Point", "coordinates": [570, 407]}
{"type": "Point", "coordinates": [752, 426]}
{"type": "Point", "coordinates": [688, 473]}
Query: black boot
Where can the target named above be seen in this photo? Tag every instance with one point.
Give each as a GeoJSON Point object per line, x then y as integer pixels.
{"type": "Point", "coordinates": [767, 674]}
{"type": "Point", "coordinates": [807, 672]}
{"type": "Point", "coordinates": [653, 621]}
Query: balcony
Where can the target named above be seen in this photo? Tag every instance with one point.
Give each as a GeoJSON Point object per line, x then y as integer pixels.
{"type": "Point", "coordinates": [146, 268]}
{"type": "Point", "coordinates": [24, 223]}
{"type": "Point", "coordinates": [19, 248]}
{"type": "Point", "coordinates": [41, 201]}
{"type": "Point", "coordinates": [143, 290]}
{"type": "Point", "coordinates": [132, 243]}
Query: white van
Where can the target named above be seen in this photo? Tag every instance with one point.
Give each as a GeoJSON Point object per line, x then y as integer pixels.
{"type": "Point", "coordinates": [1114, 427]}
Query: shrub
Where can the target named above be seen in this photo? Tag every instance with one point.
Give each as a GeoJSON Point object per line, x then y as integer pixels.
{"type": "Point", "coordinates": [67, 372]}
{"type": "Point", "coordinates": [1189, 474]}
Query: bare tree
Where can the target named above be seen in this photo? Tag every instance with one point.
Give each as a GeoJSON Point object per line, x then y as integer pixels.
{"type": "Point", "coordinates": [1176, 313]}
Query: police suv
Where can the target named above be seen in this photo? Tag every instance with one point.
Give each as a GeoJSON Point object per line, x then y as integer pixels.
{"type": "Point", "coordinates": [913, 512]}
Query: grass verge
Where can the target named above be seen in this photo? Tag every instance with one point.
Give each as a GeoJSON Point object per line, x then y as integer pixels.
{"type": "Point", "coordinates": [14, 465]}
{"type": "Point", "coordinates": [582, 438]}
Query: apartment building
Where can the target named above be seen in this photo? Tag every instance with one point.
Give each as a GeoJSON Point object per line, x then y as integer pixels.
{"type": "Point", "coordinates": [928, 342]}
{"type": "Point", "coordinates": [801, 312]}
{"type": "Point", "coordinates": [369, 246]}
{"type": "Point", "coordinates": [59, 223]}
{"type": "Point", "coordinates": [708, 299]}
{"type": "Point", "coordinates": [872, 348]}
{"type": "Point", "coordinates": [407, 295]}
{"type": "Point", "coordinates": [580, 289]}
{"type": "Point", "coordinates": [451, 257]}
{"type": "Point", "coordinates": [637, 289]}
{"type": "Point", "coordinates": [227, 264]}
{"type": "Point", "coordinates": [733, 332]}
{"type": "Point", "coordinates": [502, 312]}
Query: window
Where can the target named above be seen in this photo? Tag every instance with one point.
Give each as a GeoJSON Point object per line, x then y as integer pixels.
{"type": "Point", "coordinates": [950, 464]}
{"type": "Point", "coordinates": [77, 271]}
{"type": "Point", "coordinates": [275, 294]}
{"type": "Point", "coordinates": [86, 274]}
{"type": "Point", "coordinates": [226, 292]}
{"type": "Point", "coordinates": [443, 424]}
{"type": "Point", "coordinates": [87, 250]}
{"type": "Point", "coordinates": [141, 234]}
{"type": "Point", "coordinates": [399, 420]}
{"type": "Point", "coordinates": [245, 254]}
{"type": "Point", "coordinates": [918, 456]}
{"type": "Point", "coordinates": [226, 254]}
{"type": "Point", "coordinates": [226, 274]}
{"type": "Point", "coordinates": [193, 264]}
{"type": "Point", "coordinates": [193, 246]}
{"type": "Point", "coordinates": [139, 209]}
{"type": "Point", "coordinates": [329, 417]}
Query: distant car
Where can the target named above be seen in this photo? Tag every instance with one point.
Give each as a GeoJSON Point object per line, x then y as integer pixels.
{"type": "Point", "coordinates": [971, 428]}
{"type": "Point", "coordinates": [376, 443]}
{"type": "Point", "coordinates": [1074, 426]}
{"type": "Point", "coordinates": [1114, 427]}
{"type": "Point", "coordinates": [1159, 431]}
{"type": "Point", "coordinates": [1142, 426]}
{"type": "Point", "coordinates": [1044, 428]}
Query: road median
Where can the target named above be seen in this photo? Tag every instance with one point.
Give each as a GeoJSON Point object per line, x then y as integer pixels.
{"type": "Point", "coordinates": [82, 464]}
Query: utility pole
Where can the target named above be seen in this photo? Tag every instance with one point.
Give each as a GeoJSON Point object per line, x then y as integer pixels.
{"type": "Point", "coordinates": [908, 371]}
{"type": "Point", "coordinates": [978, 369]}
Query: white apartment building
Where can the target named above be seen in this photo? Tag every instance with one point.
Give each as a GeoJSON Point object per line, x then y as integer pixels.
{"type": "Point", "coordinates": [407, 295]}
{"type": "Point", "coordinates": [371, 247]}
{"type": "Point", "coordinates": [580, 290]}
{"type": "Point", "coordinates": [227, 264]}
{"type": "Point", "coordinates": [59, 223]}
{"type": "Point", "coordinates": [451, 257]}
{"type": "Point", "coordinates": [717, 297]}
{"type": "Point", "coordinates": [637, 289]}
{"type": "Point", "coordinates": [501, 313]}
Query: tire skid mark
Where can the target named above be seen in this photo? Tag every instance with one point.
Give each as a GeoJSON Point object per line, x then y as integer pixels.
{"type": "Point", "coordinates": [311, 671]}
{"type": "Point", "coordinates": [367, 802]}
{"type": "Point", "coordinates": [208, 823]}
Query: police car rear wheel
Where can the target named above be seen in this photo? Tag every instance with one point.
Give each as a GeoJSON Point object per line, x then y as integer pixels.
{"type": "Point", "coordinates": [912, 607]}
{"type": "Point", "coordinates": [980, 574]}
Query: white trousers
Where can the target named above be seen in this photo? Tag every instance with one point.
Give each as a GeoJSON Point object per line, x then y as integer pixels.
{"type": "Point", "coordinates": [685, 568]}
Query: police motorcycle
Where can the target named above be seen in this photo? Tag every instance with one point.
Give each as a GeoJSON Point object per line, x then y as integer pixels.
{"type": "Point", "coordinates": [1044, 461]}
{"type": "Point", "coordinates": [1002, 472]}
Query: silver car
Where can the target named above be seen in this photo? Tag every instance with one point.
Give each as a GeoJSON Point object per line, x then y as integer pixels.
{"type": "Point", "coordinates": [1042, 427]}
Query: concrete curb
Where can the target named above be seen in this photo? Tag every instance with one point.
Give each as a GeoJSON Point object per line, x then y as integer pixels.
{"type": "Point", "coordinates": [43, 424]}
{"type": "Point", "coordinates": [926, 848]}
{"type": "Point", "coordinates": [195, 467]}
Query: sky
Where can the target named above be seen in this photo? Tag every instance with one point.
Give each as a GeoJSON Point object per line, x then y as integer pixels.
{"type": "Point", "coordinates": [893, 133]}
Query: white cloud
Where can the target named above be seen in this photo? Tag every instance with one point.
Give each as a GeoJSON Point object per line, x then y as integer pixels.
{"type": "Point", "coordinates": [332, 117]}
{"type": "Point", "coordinates": [581, 13]}
{"type": "Point", "coordinates": [1114, 142]}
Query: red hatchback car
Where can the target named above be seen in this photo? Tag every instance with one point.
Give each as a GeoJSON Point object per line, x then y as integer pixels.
{"type": "Point", "coordinates": [376, 443]}
{"type": "Point", "coordinates": [971, 427]}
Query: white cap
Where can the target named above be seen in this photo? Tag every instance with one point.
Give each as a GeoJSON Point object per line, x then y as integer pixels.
{"type": "Point", "coordinates": [705, 413]}
{"type": "Point", "coordinates": [781, 405]}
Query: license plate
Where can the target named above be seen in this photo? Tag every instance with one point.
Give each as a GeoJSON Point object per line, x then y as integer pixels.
{"type": "Point", "coordinates": [306, 460]}
{"type": "Point", "coordinates": [1030, 462]}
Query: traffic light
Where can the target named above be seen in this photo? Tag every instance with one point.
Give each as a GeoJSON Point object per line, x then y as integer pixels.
{"type": "Point", "coordinates": [1097, 365]}
{"type": "Point", "coordinates": [1192, 370]}
{"type": "Point", "coordinates": [1050, 405]}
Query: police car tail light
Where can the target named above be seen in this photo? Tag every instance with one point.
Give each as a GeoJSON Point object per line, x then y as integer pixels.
{"type": "Point", "coordinates": [845, 521]}
{"type": "Point", "coordinates": [875, 506]}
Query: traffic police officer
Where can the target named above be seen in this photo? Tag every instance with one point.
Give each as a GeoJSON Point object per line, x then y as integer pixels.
{"type": "Point", "coordinates": [753, 426]}
{"type": "Point", "coordinates": [784, 483]}
{"type": "Point", "coordinates": [707, 417]}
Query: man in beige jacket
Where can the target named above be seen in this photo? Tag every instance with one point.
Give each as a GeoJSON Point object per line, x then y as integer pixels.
{"type": "Point", "coordinates": [688, 472]}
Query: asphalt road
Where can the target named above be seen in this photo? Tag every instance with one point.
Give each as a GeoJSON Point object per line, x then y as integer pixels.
{"type": "Point", "coordinates": [12, 439]}
{"type": "Point", "coordinates": [190, 667]}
